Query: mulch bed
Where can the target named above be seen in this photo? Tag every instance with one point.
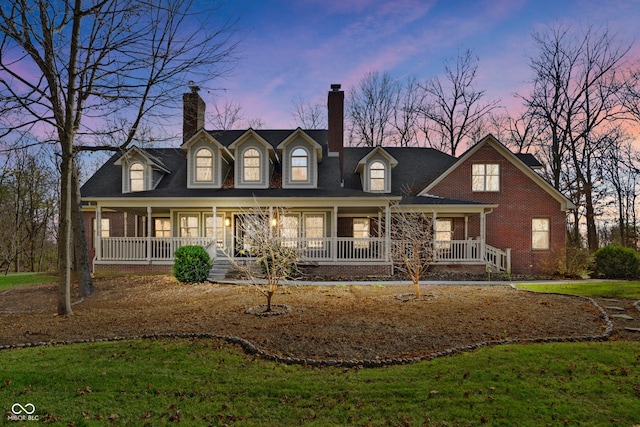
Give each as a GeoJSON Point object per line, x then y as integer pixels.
{"type": "Point", "coordinates": [323, 323]}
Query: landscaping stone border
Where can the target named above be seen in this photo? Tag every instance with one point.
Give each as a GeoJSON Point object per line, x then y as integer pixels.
{"type": "Point", "coordinates": [252, 349]}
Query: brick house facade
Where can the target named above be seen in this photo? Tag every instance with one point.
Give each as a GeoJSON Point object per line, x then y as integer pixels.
{"type": "Point", "coordinates": [489, 206]}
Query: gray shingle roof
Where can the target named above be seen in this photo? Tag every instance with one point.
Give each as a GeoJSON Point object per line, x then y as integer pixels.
{"type": "Point", "coordinates": [416, 168]}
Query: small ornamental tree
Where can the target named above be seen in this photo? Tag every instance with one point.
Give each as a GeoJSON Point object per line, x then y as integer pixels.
{"type": "Point", "coordinates": [262, 240]}
{"type": "Point", "coordinates": [411, 236]}
{"type": "Point", "coordinates": [191, 264]}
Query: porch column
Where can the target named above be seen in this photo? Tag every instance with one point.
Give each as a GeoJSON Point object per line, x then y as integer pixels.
{"type": "Point", "coordinates": [98, 236]}
{"type": "Point", "coordinates": [149, 234]}
{"type": "Point", "coordinates": [124, 216]}
{"type": "Point", "coordinates": [434, 218]}
{"type": "Point", "coordinates": [334, 235]}
{"type": "Point", "coordinates": [270, 221]}
{"type": "Point", "coordinates": [483, 235]}
{"type": "Point", "coordinates": [466, 227]}
{"type": "Point", "coordinates": [387, 236]}
{"type": "Point", "coordinates": [215, 232]}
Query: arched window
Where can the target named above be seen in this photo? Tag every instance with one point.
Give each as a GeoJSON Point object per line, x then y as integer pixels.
{"type": "Point", "coordinates": [376, 176]}
{"type": "Point", "coordinates": [251, 165]}
{"type": "Point", "coordinates": [204, 165]}
{"type": "Point", "coordinates": [299, 165]}
{"type": "Point", "coordinates": [136, 177]}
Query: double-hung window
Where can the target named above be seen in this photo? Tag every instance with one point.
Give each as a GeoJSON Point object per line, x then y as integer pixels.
{"type": "Point", "coordinates": [299, 165]}
{"type": "Point", "coordinates": [136, 177]}
{"type": "Point", "coordinates": [289, 225]}
{"type": "Point", "coordinates": [314, 230]}
{"type": "Point", "coordinates": [189, 225]}
{"type": "Point", "coordinates": [540, 233]}
{"type": "Point", "coordinates": [376, 176]}
{"type": "Point", "coordinates": [162, 227]}
{"type": "Point", "coordinates": [361, 233]}
{"type": "Point", "coordinates": [485, 177]}
{"type": "Point", "coordinates": [204, 165]}
{"type": "Point", "coordinates": [251, 165]}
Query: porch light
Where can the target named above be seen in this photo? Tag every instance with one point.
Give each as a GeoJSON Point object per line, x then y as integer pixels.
{"type": "Point", "coordinates": [274, 222]}
{"type": "Point", "coordinates": [227, 222]}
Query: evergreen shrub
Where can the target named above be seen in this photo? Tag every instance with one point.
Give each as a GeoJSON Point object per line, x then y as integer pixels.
{"type": "Point", "coordinates": [191, 264]}
{"type": "Point", "coordinates": [617, 262]}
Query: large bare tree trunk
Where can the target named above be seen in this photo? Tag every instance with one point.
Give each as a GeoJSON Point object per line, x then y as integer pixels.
{"type": "Point", "coordinates": [64, 238]}
{"type": "Point", "coordinates": [81, 253]}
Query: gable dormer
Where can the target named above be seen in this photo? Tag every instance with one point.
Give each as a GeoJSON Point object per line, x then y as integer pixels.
{"type": "Point", "coordinates": [254, 159]}
{"type": "Point", "coordinates": [208, 161]}
{"type": "Point", "coordinates": [300, 156]}
{"type": "Point", "coordinates": [375, 171]}
{"type": "Point", "coordinates": [140, 170]}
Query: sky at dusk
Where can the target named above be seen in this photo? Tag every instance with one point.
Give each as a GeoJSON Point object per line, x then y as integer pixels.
{"type": "Point", "coordinates": [298, 48]}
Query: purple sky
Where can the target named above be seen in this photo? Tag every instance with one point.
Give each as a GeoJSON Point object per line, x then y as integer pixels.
{"type": "Point", "coordinates": [298, 48]}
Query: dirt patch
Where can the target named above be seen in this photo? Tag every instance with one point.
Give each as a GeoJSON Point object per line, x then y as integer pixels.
{"type": "Point", "coordinates": [324, 322]}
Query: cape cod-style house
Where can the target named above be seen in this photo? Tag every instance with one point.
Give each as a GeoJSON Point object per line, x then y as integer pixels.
{"type": "Point", "coordinates": [490, 206]}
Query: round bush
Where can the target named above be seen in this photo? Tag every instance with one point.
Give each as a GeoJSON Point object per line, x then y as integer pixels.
{"type": "Point", "coordinates": [191, 264]}
{"type": "Point", "coordinates": [617, 262]}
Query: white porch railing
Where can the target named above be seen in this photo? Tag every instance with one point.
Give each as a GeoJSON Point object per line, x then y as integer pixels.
{"type": "Point", "coordinates": [146, 248]}
{"type": "Point", "coordinates": [372, 249]}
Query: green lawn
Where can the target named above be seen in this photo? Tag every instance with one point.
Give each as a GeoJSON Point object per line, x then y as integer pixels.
{"type": "Point", "coordinates": [205, 382]}
{"type": "Point", "coordinates": [613, 289]}
{"type": "Point", "coordinates": [14, 280]}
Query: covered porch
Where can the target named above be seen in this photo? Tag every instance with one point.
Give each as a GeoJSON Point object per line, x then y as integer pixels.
{"type": "Point", "coordinates": [338, 234]}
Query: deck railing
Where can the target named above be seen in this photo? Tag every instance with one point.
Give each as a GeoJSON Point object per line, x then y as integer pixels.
{"type": "Point", "coordinates": [372, 249]}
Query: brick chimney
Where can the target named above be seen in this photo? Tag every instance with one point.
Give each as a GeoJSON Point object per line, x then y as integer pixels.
{"type": "Point", "coordinates": [335, 113]}
{"type": "Point", "coordinates": [192, 113]}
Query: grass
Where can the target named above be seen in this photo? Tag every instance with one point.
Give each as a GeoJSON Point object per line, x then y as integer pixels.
{"type": "Point", "coordinates": [205, 382]}
{"type": "Point", "coordinates": [14, 280]}
{"type": "Point", "coordinates": [604, 289]}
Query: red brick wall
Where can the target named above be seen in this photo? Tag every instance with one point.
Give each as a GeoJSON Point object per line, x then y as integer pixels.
{"type": "Point", "coordinates": [124, 269]}
{"type": "Point", "coordinates": [519, 200]}
{"type": "Point", "coordinates": [348, 271]}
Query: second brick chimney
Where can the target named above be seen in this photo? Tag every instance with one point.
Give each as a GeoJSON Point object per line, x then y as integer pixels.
{"type": "Point", "coordinates": [193, 108]}
{"type": "Point", "coordinates": [335, 122]}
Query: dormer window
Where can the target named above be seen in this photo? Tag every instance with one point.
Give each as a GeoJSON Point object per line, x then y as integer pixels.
{"type": "Point", "coordinates": [377, 176]}
{"type": "Point", "coordinates": [204, 165]}
{"type": "Point", "coordinates": [299, 165]}
{"type": "Point", "coordinates": [136, 177]}
{"type": "Point", "coordinates": [251, 165]}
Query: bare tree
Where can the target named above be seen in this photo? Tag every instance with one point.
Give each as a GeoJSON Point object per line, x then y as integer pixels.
{"type": "Point", "coordinates": [307, 115]}
{"type": "Point", "coordinates": [261, 238]}
{"type": "Point", "coordinates": [27, 205]}
{"type": "Point", "coordinates": [229, 116]}
{"type": "Point", "coordinates": [370, 109]}
{"type": "Point", "coordinates": [621, 172]}
{"type": "Point", "coordinates": [94, 64]}
{"type": "Point", "coordinates": [406, 109]}
{"type": "Point", "coordinates": [576, 98]}
{"type": "Point", "coordinates": [520, 133]}
{"type": "Point", "coordinates": [412, 244]}
{"type": "Point", "coordinates": [453, 108]}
